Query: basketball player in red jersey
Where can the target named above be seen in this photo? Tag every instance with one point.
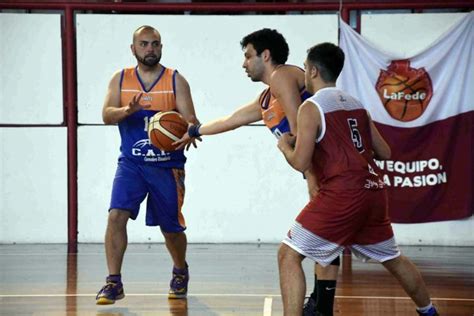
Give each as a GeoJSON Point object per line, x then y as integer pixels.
{"type": "Point", "coordinates": [338, 140]}
{"type": "Point", "coordinates": [133, 97]}
{"type": "Point", "coordinates": [265, 54]}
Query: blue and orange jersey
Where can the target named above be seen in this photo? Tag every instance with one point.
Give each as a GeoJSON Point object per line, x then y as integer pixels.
{"type": "Point", "coordinates": [273, 114]}
{"type": "Point", "coordinates": [161, 96]}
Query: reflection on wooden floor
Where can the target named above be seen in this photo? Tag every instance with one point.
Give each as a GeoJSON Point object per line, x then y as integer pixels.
{"type": "Point", "coordinates": [225, 280]}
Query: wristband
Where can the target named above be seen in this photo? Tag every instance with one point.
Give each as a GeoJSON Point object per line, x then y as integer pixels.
{"type": "Point", "coordinates": [193, 130]}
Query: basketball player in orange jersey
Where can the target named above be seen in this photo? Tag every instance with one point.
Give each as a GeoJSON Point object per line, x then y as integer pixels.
{"type": "Point", "coordinates": [133, 97]}
{"type": "Point", "coordinates": [337, 139]}
{"type": "Point", "coordinates": [265, 54]}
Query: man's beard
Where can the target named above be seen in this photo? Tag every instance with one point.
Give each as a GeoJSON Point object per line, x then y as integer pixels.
{"type": "Point", "coordinates": [149, 60]}
{"type": "Point", "coordinates": [255, 77]}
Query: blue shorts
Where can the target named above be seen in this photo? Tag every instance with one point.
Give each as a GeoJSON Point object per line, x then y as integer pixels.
{"type": "Point", "coordinates": [163, 186]}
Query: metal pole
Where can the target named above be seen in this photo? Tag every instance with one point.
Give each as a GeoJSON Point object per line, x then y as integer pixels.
{"type": "Point", "coordinates": [71, 122]}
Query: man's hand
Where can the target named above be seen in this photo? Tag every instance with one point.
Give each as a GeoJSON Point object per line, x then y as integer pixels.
{"type": "Point", "coordinates": [286, 141]}
{"type": "Point", "coordinates": [135, 106]}
{"type": "Point", "coordinates": [186, 140]}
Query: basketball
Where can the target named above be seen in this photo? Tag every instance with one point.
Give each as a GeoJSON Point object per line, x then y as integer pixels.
{"type": "Point", "coordinates": [165, 128]}
{"type": "Point", "coordinates": [405, 97]}
{"type": "Point", "coordinates": [404, 91]}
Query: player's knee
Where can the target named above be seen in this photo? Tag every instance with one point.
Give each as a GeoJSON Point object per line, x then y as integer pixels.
{"type": "Point", "coordinates": [282, 252]}
{"type": "Point", "coordinates": [395, 263]}
{"type": "Point", "coordinates": [173, 237]}
{"type": "Point", "coordinates": [285, 253]}
{"type": "Point", "coordinates": [396, 266]}
{"type": "Point", "coordinates": [118, 218]}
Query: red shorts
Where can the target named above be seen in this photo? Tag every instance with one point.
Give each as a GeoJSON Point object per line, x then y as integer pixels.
{"type": "Point", "coordinates": [348, 217]}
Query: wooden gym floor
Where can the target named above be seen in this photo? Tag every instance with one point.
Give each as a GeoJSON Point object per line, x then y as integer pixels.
{"type": "Point", "coordinates": [226, 279]}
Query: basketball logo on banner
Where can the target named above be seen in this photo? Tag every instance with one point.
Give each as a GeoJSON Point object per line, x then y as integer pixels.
{"type": "Point", "coordinates": [404, 91]}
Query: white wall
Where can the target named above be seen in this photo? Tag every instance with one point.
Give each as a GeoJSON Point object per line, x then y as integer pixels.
{"type": "Point", "coordinates": [33, 161]}
{"type": "Point", "coordinates": [31, 69]}
{"type": "Point", "coordinates": [33, 185]}
{"type": "Point", "coordinates": [405, 35]}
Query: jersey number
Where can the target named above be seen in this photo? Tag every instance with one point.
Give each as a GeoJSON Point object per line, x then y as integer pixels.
{"type": "Point", "coordinates": [355, 134]}
{"type": "Point", "coordinates": [147, 121]}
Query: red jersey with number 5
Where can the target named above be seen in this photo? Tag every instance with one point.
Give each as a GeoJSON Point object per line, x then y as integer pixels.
{"type": "Point", "coordinates": [343, 155]}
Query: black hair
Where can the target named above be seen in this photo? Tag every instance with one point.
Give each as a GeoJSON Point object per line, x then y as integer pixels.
{"type": "Point", "coordinates": [271, 40]}
{"type": "Point", "coordinates": [328, 58]}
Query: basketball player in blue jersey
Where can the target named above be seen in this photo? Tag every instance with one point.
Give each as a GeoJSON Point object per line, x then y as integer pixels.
{"type": "Point", "coordinates": [265, 54]}
{"type": "Point", "coordinates": [134, 95]}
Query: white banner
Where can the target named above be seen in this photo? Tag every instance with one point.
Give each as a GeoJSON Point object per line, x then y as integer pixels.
{"type": "Point", "coordinates": [424, 108]}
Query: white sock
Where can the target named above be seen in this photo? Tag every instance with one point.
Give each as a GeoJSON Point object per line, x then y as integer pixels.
{"type": "Point", "coordinates": [425, 309]}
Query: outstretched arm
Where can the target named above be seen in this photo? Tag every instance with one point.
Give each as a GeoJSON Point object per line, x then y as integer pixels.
{"type": "Point", "coordinates": [246, 114]}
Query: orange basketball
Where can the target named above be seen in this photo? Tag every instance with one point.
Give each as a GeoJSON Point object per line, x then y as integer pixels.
{"type": "Point", "coordinates": [404, 91]}
{"type": "Point", "coordinates": [404, 97]}
{"type": "Point", "coordinates": [165, 128]}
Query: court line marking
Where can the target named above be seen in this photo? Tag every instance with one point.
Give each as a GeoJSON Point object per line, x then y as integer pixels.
{"type": "Point", "coordinates": [267, 306]}
{"type": "Point", "coordinates": [262, 254]}
{"type": "Point", "coordinates": [236, 295]}
{"type": "Point", "coordinates": [269, 251]}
